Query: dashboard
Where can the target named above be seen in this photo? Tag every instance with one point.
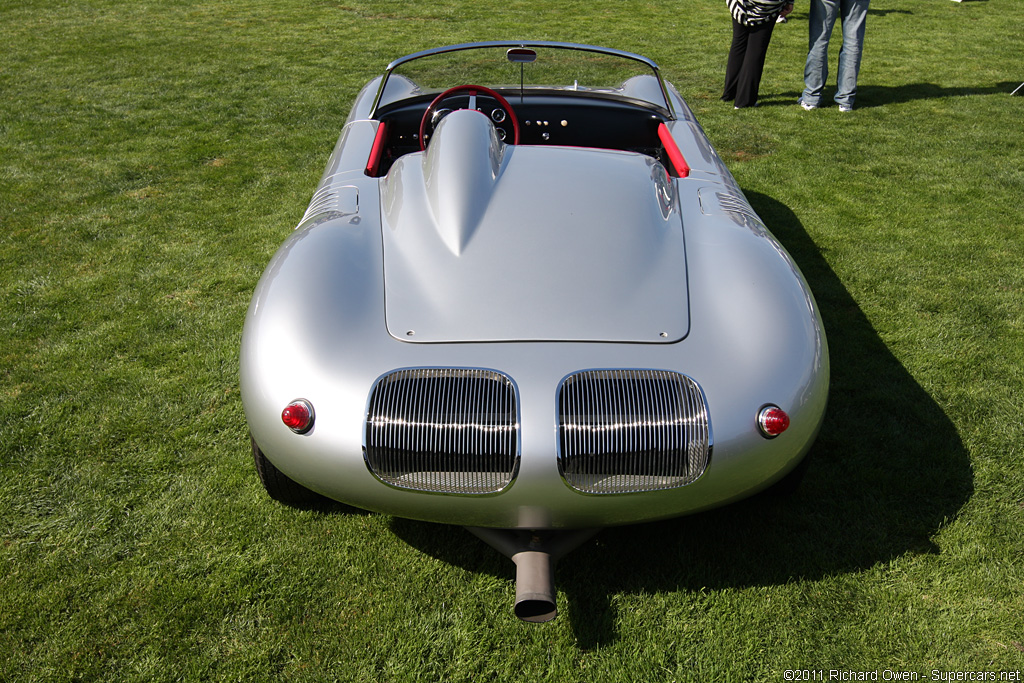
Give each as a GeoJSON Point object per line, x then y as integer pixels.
{"type": "Point", "coordinates": [552, 119]}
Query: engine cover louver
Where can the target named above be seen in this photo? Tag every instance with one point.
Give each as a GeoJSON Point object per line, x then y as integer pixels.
{"type": "Point", "coordinates": [443, 430]}
{"type": "Point", "coordinates": [627, 431]}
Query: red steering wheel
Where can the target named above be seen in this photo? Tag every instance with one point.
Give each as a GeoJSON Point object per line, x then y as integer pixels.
{"type": "Point", "coordinates": [472, 90]}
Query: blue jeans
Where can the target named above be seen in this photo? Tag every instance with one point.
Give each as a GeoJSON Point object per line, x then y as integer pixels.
{"type": "Point", "coordinates": [824, 13]}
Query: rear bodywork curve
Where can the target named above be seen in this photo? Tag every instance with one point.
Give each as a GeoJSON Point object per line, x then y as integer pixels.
{"type": "Point", "coordinates": [451, 260]}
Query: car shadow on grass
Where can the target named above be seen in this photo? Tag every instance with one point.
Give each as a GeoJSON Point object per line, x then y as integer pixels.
{"type": "Point", "coordinates": [887, 472]}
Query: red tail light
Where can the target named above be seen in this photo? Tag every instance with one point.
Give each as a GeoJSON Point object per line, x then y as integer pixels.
{"type": "Point", "coordinates": [772, 420]}
{"type": "Point", "coordinates": [298, 416]}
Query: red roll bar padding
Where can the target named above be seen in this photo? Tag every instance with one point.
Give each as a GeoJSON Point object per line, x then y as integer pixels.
{"type": "Point", "coordinates": [377, 151]}
{"type": "Point", "coordinates": [682, 168]}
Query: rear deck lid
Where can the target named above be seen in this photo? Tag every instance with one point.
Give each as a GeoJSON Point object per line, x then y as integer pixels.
{"type": "Point", "coordinates": [485, 242]}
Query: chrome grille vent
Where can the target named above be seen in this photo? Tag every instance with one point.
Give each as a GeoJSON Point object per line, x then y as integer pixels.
{"type": "Point", "coordinates": [626, 431]}
{"type": "Point", "coordinates": [734, 204]}
{"type": "Point", "coordinates": [332, 201]}
{"type": "Point", "coordinates": [325, 199]}
{"type": "Point", "coordinates": [443, 430]}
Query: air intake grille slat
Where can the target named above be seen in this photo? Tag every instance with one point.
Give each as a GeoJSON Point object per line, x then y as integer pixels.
{"type": "Point", "coordinates": [443, 430]}
{"type": "Point", "coordinates": [626, 431]}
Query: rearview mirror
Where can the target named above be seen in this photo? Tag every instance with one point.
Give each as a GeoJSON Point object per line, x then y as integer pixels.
{"type": "Point", "coordinates": [521, 55]}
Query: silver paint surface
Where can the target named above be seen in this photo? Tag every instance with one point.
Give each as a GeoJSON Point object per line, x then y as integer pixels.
{"type": "Point", "coordinates": [519, 270]}
{"type": "Point", "coordinates": [462, 219]}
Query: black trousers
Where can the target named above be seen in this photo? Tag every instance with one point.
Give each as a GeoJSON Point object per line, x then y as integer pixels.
{"type": "Point", "coordinates": [746, 62]}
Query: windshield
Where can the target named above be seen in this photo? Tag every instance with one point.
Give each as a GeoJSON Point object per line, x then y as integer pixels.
{"type": "Point", "coordinates": [531, 66]}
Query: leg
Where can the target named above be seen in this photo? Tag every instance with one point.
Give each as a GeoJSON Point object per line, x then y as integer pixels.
{"type": "Point", "coordinates": [822, 20]}
{"type": "Point", "coordinates": [749, 81]}
{"type": "Point", "coordinates": [854, 13]}
{"type": "Point", "coordinates": [737, 52]}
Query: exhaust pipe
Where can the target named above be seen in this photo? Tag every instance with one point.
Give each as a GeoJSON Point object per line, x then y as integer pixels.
{"type": "Point", "coordinates": [535, 587]}
{"type": "Point", "coordinates": [534, 554]}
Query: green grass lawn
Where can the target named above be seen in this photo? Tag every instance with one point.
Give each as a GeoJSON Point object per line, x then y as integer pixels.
{"type": "Point", "coordinates": [154, 155]}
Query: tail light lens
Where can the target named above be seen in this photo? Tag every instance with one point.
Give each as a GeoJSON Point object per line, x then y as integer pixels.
{"type": "Point", "coordinates": [772, 421]}
{"type": "Point", "coordinates": [298, 416]}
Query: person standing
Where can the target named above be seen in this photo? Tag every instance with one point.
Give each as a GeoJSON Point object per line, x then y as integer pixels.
{"type": "Point", "coordinates": [752, 25]}
{"type": "Point", "coordinates": [852, 15]}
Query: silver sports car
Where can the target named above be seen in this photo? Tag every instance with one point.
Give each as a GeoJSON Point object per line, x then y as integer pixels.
{"type": "Point", "coordinates": [528, 297]}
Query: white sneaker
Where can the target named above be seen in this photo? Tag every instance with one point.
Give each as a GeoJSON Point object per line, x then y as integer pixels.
{"type": "Point", "coordinates": [845, 108]}
{"type": "Point", "coordinates": [808, 106]}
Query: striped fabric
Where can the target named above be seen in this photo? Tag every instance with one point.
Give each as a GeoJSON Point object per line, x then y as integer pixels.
{"type": "Point", "coordinates": [754, 12]}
